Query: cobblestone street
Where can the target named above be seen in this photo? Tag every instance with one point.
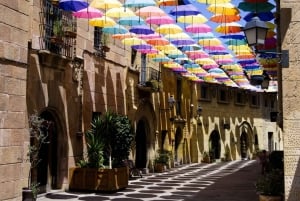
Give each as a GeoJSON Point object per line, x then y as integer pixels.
{"type": "Point", "coordinates": [226, 181]}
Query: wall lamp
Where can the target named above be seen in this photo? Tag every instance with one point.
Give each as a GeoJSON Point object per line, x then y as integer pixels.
{"type": "Point", "coordinates": [256, 31]}
{"type": "Point", "coordinates": [171, 101]}
{"type": "Point", "coordinates": [198, 111]}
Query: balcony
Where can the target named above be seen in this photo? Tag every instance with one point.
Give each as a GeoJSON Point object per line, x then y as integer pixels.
{"type": "Point", "coordinates": [149, 80]}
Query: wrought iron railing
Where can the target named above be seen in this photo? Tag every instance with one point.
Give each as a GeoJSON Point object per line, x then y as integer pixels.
{"type": "Point", "coordinates": [57, 30]}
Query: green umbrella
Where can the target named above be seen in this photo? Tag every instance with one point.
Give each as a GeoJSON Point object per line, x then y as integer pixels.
{"type": "Point", "coordinates": [256, 7]}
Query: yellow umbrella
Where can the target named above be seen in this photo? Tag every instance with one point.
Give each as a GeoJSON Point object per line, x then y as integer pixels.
{"type": "Point", "coordinates": [102, 22]}
{"type": "Point", "coordinates": [222, 56]}
{"type": "Point", "coordinates": [169, 29]}
{"type": "Point", "coordinates": [119, 12]}
{"type": "Point", "coordinates": [192, 19]}
{"type": "Point", "coordinates": [205, 61]}
{"type": "Point", "coordinates": [182, 35]}
{"type": "Point", "coordinates": [122, 36]}
{"type": "Point", "coordinates": [105, 4]}
{"type": "Point", "coordinates": [133, 41]}
{"type": "Point", "coordinates": [224, 8]}
{"type": "Point", "coordinates": [213, 1]}
{"type": "Point", "coordinates": [209, 41]}
{"type": "Point", "coordinates": [239, 47]}
{"type": "Point", "coordinates": [166, 47]}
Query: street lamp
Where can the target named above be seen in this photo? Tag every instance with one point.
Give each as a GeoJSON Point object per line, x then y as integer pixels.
{"type": "Point", "coordinates": [171, 101]}
{"type": "Point", "coordinates": [255, 31]}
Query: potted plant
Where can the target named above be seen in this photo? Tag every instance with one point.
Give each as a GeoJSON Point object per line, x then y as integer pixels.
{"type": "Point", "coordinates": [270, 186]}
{"type": "Point", "coordinates": [154, 84]}
{"type": "Point", "coordinates": [38, 133]}
{"type": "Point", "coordinates": [108, 145]}
{"type": "Point", "coordinates": [162, 161]}
{"type": "Point", "coordinates": [206, 157]}
{"type": "Point", "coordinates": [57, 32]}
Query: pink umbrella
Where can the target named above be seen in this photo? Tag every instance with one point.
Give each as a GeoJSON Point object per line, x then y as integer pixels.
{"type": "Point", "coordinates": [214, 47]}
{"type": "Point", "coordinates": [198, 28]}
{"type": "Point", "coordinates": [196, 54]}
{"type": "Point", "coordinates": [88, 13]}
{"type": "Point", "coordinates": [150, 11]}
{"type": "Point", "coordinates": [158, 20]}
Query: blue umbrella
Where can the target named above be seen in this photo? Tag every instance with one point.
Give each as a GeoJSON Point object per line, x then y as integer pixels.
{"type": "Point", "coordinates": [184, 10]}
{"type": "Point", "coordinates": [264, 16]}
{"type": "Point", "coordinates": [141, 29]}
{"type": "Point", "coordinates": [117, 29]}
{"type": "Point", "coordinates": [139, 3]}
{"type": "Point", "coordinates": [73, 5]}
{"type": "Point", "coordinates": [131, 21]}
{"type": "Point", "coordinates": [233, 36]}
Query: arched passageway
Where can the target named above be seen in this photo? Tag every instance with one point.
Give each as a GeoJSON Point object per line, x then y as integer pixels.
{"type": "Point", "coordinates": [141, 144]}
{"type": "Point", "coordinates": [177, 142]}
{"type": "Point", "coordinates": [215, 145]}
{"type": "Point", "coordinates": [244, 145]}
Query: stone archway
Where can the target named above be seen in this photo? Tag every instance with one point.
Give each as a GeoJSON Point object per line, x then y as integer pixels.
{"type": "Point", "coordinates": [215, 145]}
{"type": "Point", "coordinates": [244, 145]}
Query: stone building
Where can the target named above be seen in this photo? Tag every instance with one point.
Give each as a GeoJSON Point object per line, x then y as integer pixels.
{"type": "Point", "coordinates": [68, 81]}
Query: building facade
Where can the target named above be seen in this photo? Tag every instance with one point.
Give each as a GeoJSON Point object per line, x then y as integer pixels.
{"type": "Point", "coordinates": [70, 79]}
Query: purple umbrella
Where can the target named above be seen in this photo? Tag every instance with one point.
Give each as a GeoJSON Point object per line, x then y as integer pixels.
{"type": "Point", "coordinates": [73, 5]}
{"type": "Point", "coordinates": [183, 10]}
{"type": "Point", "coordinates": [141, 29]}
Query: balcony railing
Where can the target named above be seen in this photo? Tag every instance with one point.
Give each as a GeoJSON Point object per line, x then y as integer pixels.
{"type": "Point", "coordinates": [57, 30]}
{"type": "Point", "coordinates": [150, 79]}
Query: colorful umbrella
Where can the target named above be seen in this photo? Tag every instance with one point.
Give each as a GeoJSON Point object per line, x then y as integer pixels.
{"type": "Point", "coordinates": [149, 36]}
{"type": "Point", "coordinates": [73, 5]}
{"type": "Point", "coordinates": [263, 16]}
{"type": "Point", "coordinates": [209, 42]}
{"type": "Point", "coordinates": [256, 7]}
{"type": "Point", "coordinates": [105, 4]}
{"type": "Point", "coordinates": [166, 47]}
{"type": "Point", "coordinates": [131, 21]}
{"type": "Point", "coordinates": [133, 41]}
{"type": "Point", "coordinates": [213, 1]}
{"type": "Point", "coordinates": [88, 13]}
{"type": "Point", "coordinates": [141, 29]}
{"type": "Point", "coordinates": [221, 18]}
{"type": "Point", "coordinates": [214, 48]}
{"type": "Point", "coordinates": [229, 28]}
{"type": "Point", "coordinates": [182, 35]}
{"type": "Point", "coordinates": [196, 54]}
{"type": "Point", "coordinates": [159, 20]}
{"type": "Point", "coordinates": [198, 28]}
{"type": "Point", "coordinates": [223, 8]}
{"type": "Point", "coordinates": [122, 36]}
{"type": "Point", "coordinates": [191, 47]}
{"type": "Point", "coordinates": [184, 10]}
{"type": "Point", "coordinates": [139, 3]}
{"type": "Point", "coordinates": [183, 42]}
{"type": "Point", "coordinates": [233, 36]}
{"type": "Point", "coordinates": [158, 41]}
{"type": "Point", "coordinates": [167, 2]}
{"type": "Point", "coordinates": [236, 42]}
{"type": "Point", "coordinates": [200, 36]}
{"type": "Point", "coordinates": [192, 19]}
{"type": "Point", "coordinates": [102, 22]}
{"type": "Point", "coordinates": [150, 11]}
{"type": "Point", "coordinates": [116, 29]}
{"type": "Point", "coordinates": [119, 12]}
{"type": "Point", "coordinates": [169, 29]}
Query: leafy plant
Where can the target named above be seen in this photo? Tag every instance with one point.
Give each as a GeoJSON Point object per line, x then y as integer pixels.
{"type": "Point", "coordinates": [58, 28]}
{"type": "Point", "coordinates": [163, 157]}
{"type": "Point", "coordinates": [271, 183]}
{"type": "Point", "coordinates": [38, 130]}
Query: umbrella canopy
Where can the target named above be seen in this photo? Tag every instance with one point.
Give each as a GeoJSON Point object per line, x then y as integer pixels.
{"type": "Point", "coordinates": [102, 22]}
{"type": "Point", "coordinates": [263, 16]}
{"type": "Point", "coordinates": [181, 35]}
{"type": "Point", "coordinates": [192, 19]}
{"type": "Point", "coordinates": [158, 41]}
{"type": "Point", "coordinates": [213, 1]}
{"type": "Point", "coordinates": [196, 54]}
{"type": "Point", "coordinates": [141, 29]}
{"type": "Point", "coordinates": [200, 36]}
{"type": "Point", "coordinates": [221, 18]}
{"type": "Point", "coordinates": [256, 7]}
{"type": "Point", "coordinates": [116, 29]}
{"type": "Point", "coordinates": [88, 13]}
{"type": "Point", "coordinates": [167, 2]}
{"type": "Point", "coordinates": [169, 29]}
{"type": "Point", "coordinates": [198, 28]}
{"type": "Point", "coordinates": [125, 35]}
{"type": "Point", "coordinates": [105, 4]}
{"type": "Point", "coordinates": [227, 28]}
{"type": "Point", "coordinates": [131, 21]}
{"type": "Point", "coordinates": [133, 41]}
{"type": "Point", "coordinates": [183, 42]}
{"type": "Point", "coordinates": [150, 11]}
{"type": "Point", "coordinates": [191, 47]}
{"type": "Point", "coordinates": [214, 48]}
{"type": "Point", "coordinates": [149, 36]}
{"type": "Point", "coordinates": [139, 3]}
{"type": "Point", "coordinates": [223, 8]}
{"type": "Point", "coordinates": [236, 42]}
{"type": "Point", "coordinates": [167, 48]}
{"type": "Point", "coordinates": [184, 10]}
{"type": "Point", "coordinates": [119, 12]}
{"type": "Point", "coordinates": [159, 20]}
{"type": "Point", "coordinates": [208, 42]}
{"type": "Point", "coordinates": [73, 5]}
{"type": "Point", "coordinates": [233, 36]}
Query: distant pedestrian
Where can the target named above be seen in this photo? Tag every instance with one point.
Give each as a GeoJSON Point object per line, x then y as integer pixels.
{"type": "Point", "coordinates": [264, 161]}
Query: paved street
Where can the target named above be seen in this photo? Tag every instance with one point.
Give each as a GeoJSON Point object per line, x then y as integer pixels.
{"type": "Point", "coordinates": [224, 181]}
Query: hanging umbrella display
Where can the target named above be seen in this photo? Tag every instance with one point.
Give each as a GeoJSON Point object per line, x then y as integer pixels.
{"type": "Point", "coordinates": [199, 36]}
{"type": "Point", "coordinates": [181, 35]}
{"type": "Point", "coordinates": [167, 2]}
{"type": "Point", "coordinates": [221, 18]}
{"type": "Point", "coordinates": [161, 59]}
{"type": "Point", "coordinates": [119, 12]}
{"type": "Point", "coordinates": [149, 36]}
{"type": "Point", "coordinates": [236, 42]}
{"type": "Point", "coordinates": [145, 49]}
{"type": "Point", "coordinates": [263, 16]}
{"type": "Point", "coordinates": [131, 21]}
{"type": "Point", "coordinates": [229, 28]}
{"type": "Point", "coordinates": [183, 42]}
{"type": "Point", "coordinates": [105, 4]}
{"type": "Point", "coordinates": [159, 20]}
{"type": "Point", "coordinates": [223, 8]}
{"type": "Point", "coordinates": [233, 36]}
{"type": "Point", "coordinates": [192, 19]}
{"type": "Point", "coordinates": [256, 7]}
{"type": "Point", "coordinates": [166, 48]}
{"type": "Point", "coordinates": [198, 28]}
{"type": "Point", "coordinates": [88, 13]}
{"type": "Point", "coordinates": [196, 54]}
{"type": "Point", "coordinates": [169, 29]}
{"type": "Point", "coordinates": [209, 42]}
{"type": "Point", "coordinates": [122, 36]}
{"type": "Point", "coordinates": [139, 3]}
{"type": "Point", "coordinates": [102, 22]}
{"type": "Point", "coordinates": [73, 5]}
{"type": "Point", "coordinates": [116, 29]}
{"type": "Point", "coordinates": [191, 47]}
{"type": "Point", "coordinates": [184, 10]}
{"type": "Point", "coordinates": [141, 29]}
{"type": "Point", "coordinates": [214, 48]}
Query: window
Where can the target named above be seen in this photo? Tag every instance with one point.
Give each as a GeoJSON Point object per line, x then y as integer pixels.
{"type": "Point", "coordinates": [97, 38]}
{"type": "Point", "coordinates": [240, 98]}
{"type": "Point", "coordinates": [58, 30]}
{"type": "Point", "coordinates": [178, 98]}
{"type": "Point", "coordinates": [205, 93]}
{"type": "Point", "coordinates": [254, 100]}
{"type": "Point", "coordinates": [223, 95]}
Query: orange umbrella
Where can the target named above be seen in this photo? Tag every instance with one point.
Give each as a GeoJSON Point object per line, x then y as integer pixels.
{"type": "Point", "coordinates": [223, 8]}
{"type": "Point", "coordinates": [227, 28]}
{"type": "Point", "coordinates": [158, 41]}
{"type": "Point", "coordinates": [221, 18]}
{"type": "Point", "coordinates": [167, 2]}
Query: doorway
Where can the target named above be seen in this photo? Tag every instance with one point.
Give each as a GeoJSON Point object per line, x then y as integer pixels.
{"type": "Point", "coordinates": [244, 145]}
{"type": "Point", "coordinates": [215, 145]}
{"type": "Point", "coordinates": [141, 145]}
{"type": "Point", "coordinates": [177, 141]}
